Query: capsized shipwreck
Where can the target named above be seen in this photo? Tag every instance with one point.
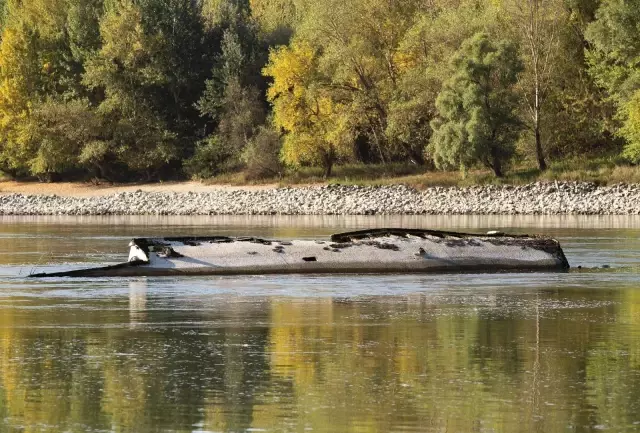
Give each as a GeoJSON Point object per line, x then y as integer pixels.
{"type": "Point", "coordinates": [388, 250]}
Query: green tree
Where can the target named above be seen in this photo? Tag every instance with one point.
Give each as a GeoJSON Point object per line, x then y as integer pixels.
{"type": "Point", "coordinates": [382, 67]}
{"type": "Point", "coordinates": [126, 71]}
{"type": "Point", "coordinates": [219, 13]}
{"type": "Point", "coordinates": [476, 107]}
{"type": "Point", "coordinates": [422, 58]}
{"type": "Point", "coordinates": [565, 112]}
{"type": "Point", "coordinates": [3, 5]}
{"type": "Point", "coordinates": [239, 62]}
{"type": "Point", "coordinates": [261, 156]}
{"type": "Point", "coordinates": [239, 113]}
{"type": "Point", "coordinates": [577, 114]}
{"type": "Point", "coordinates": [83, 28]}
{"type": "Point", "coordinates": [538, 25]}
{"type": "Point", "coordinates": [150, 69]}
{"type": "Point", "coordinates": [54, 135]}
{"type": "Point", "coordinates": [184, 58]}
{"type": "Point", "coordinates": [614, 61]}
{"type": "Point", "coordinates": [277, 15]}
{"type": "Point", "coordinates": [232, 100]}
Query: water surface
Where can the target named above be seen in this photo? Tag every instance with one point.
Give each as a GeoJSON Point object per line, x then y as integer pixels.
{"type": "Point", "coordinates": [400, 353]}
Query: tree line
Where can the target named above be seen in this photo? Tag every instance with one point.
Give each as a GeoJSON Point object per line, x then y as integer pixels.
{"type": "Point", "coordinates": [157, 89]}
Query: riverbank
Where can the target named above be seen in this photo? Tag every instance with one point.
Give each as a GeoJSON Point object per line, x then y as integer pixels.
{"type": "Point", "coordinates": [601, 171]}
{"type": "Point", "coordinates": [85, 189]}
{"type": "Point", "coordinates": [551, 198]}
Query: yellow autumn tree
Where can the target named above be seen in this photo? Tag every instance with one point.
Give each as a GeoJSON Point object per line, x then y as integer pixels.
{"type": "Point", "coordinates": [38, 72]}
{"type": "Point", "coordinates": [20, 76]}
{"type": "Point", "coordinates": [318, 129]}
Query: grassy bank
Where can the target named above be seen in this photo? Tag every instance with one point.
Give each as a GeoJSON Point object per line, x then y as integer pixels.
{"type": "Point", "coordinates": [600, 171]}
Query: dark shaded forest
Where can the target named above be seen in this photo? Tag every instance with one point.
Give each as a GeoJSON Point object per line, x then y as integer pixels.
{"type": "Point", "coordinates": [144, 90]}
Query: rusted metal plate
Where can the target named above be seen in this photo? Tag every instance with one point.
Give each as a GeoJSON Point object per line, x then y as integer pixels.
{"type": "Point", "coordinates": [368, 251]}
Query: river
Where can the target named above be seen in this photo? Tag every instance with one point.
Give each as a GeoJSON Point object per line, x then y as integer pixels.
{"type": "Point", "coordinates": [400, 353]}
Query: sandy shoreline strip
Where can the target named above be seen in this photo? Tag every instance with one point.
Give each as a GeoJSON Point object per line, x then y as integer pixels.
{"type": "Point", "coordinates": [80, 189]}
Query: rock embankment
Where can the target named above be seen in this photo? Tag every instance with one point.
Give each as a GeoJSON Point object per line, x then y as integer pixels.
{"type": "Point", "coordinates": [537, 198]}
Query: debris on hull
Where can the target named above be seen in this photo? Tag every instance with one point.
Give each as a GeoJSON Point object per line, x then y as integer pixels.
{"type": "Point", "coordinates": [367, 251]}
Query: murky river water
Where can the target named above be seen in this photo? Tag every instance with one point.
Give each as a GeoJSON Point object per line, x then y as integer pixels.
{"type": "Point", "coordinates": [452, 353]}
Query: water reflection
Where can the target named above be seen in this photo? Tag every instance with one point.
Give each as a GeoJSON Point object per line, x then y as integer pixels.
{"type": "Point", "coordinates": [401, 353]}
{"type": "Point", "coordinates": [260, 222]}
{"type": "Point", "coordinates": [491, 360]}
{"type": "Point", "coordinates": [137, 301]}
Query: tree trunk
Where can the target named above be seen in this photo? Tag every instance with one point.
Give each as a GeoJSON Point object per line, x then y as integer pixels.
{"type": "Point", "coordinates": [327, 164]}
{"type": "Point", "coordinates": [496, 165]}
{"type": "Point", "coordinates": [377, 140]}
{"type": "Point", "coordinates": [540, 27]}
{"type": "Point", "coordinates": [415, 155]}
{"type": "Point", "coordinates": [542, 164]}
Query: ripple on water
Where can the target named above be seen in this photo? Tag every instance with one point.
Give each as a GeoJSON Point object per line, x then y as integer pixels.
{"type": "Point", "coordinates": [424, 353]}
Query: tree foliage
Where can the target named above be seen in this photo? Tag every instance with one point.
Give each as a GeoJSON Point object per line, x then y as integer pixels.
{"type": "Point", "coordinates": [128, 70]}
{"type": "Point", "coordinates": [614, 59]}
{"type": "Point", "coordinates": [576, 114]}
{"type": "Point", "coordinates": [317, 129]}
{"type": "Point", "coordinates": [232, 99]}
{"type": "Point", "coordinates": [538, 24]}
{"type": "Point", "coordinates": [477, 106]}
{"type": "Point", "coordinates": [261, 156]}
{"type": "Point", "coordinates": [36, 66]}
{"type": "Point", "coordinates": [175, 87]}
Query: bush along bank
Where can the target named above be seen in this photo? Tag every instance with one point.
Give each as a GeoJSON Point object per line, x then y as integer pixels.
{"type": "Point", "coordinates": [556, 198]}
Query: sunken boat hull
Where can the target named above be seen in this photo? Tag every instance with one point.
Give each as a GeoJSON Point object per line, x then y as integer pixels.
{"type": "Point", "coordinates": [369, 251]}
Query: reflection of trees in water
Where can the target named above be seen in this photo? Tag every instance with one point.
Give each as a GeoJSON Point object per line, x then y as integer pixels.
{"type": "Point", "coordinates": [38, 371]}
{"type": "Point", "coordinates": [507, 366]}
{"type": "Point", "coordinates": [138, 291]}
{"type": "Point", "coordinates": [140, 379]}
{"type": "Point", "coordinates": [612, 369]}
{"type": "Point", "coordinates": [179, 371]}
{"type": "Point", "coordinates": [175, 372]}
{"type": "Point", "coordinates": [529, 363]}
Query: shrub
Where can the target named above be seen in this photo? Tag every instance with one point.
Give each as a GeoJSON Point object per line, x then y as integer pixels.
{"type": "Point", "coordinates": [262, 155]}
